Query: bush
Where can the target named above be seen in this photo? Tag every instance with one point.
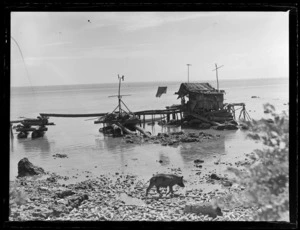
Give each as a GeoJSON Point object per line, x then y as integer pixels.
{"type": "Point", "coordinates": [266, 179]}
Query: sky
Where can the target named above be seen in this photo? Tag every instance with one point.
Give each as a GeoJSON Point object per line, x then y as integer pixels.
{"type": "Point", "coordinates": [94, 47]}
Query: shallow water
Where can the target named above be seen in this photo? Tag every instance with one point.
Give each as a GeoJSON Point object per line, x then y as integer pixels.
{"type": "Point", "coordinates": [91, 154]}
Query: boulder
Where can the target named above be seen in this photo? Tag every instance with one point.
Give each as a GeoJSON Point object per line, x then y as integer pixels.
{"type": "Point", "coordinates": [26, 168]}
{"type": "Point", "coordinates": [214, 177]}
{"type": "Point", "coordinates": [204, 209]}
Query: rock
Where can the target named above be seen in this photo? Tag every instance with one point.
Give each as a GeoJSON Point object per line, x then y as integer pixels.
{"type": "Point", "coordinates": [65, 193]}
{"type": "Point", "coordinates": [193, 135]}
{"type": "Point", "coordinates": [204, 209]}
{"type": "Point", "coordinates": [51, 179]}
{"type": "Point", "coordinates": [198, 161]}
{"type": "Point", "coordinates": [227, 183]}
{"type": "Point", "coordinates": [60, 155]}
{"type": "Point", "coordinates": [177, 133]}
{"type": "Point", "coordinates": [26, 168]}
{"type": "Point", "coordinates": [75, 201]}
{"type": "Point", "coordinates": [59, 209]}
{"type": "Point", "coordinates": [254, 97]}
{"type": "Point", "coordinates": [214, 177]}
{"type": "Point", "coordinates": [189, 139]}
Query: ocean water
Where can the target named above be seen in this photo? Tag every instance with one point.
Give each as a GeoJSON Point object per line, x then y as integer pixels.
{"type": "Point", "coordinates": [90, 152]}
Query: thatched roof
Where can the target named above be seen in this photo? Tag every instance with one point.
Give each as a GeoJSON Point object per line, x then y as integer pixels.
{"type": "Point", "coordinates": [197, 88]}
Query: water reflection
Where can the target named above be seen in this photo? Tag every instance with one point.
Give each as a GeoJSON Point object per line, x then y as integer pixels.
{"type": "Point", "coordinates": [204, 149]}
{"type": "Point", "coordinates": [41, 144]}
{"type": "Point", "coordinates": [112, 144]}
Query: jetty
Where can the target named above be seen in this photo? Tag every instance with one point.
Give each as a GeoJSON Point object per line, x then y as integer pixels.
{"type": "Point", "coordinates": [202, 106]}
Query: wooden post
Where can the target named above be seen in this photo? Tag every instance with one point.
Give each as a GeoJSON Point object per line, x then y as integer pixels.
{"type": "Point", "coordinates": [11, 132]}
{"type": "Point", "coordinates": [168, 117]}
{"type": "Point", "coordinates": [173, 116]}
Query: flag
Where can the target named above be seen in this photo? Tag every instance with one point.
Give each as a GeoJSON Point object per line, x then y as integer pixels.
{"type": "Point", "coordinates": [160, 91]}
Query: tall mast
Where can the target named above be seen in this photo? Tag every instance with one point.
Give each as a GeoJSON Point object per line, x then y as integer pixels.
{"type": "Point", "coordinates": [216, 69]}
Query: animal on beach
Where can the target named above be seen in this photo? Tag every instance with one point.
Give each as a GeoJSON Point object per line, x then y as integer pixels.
{"type": "Point", "coordinates": [165, 180]}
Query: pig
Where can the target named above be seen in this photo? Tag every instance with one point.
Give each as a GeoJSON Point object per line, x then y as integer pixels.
{"type": "Point", "coordinates": [165, 180]}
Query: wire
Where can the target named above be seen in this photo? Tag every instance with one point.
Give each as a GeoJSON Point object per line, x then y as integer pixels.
{"type": "Point", "coordinates": [23, 61]}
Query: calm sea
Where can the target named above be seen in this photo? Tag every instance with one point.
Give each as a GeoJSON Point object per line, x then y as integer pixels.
{"type": "Point", "coordinates": [89, 150]}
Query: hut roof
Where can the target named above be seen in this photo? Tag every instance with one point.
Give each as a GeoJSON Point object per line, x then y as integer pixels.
{"type": "Point", "coordinates": [197, 88]}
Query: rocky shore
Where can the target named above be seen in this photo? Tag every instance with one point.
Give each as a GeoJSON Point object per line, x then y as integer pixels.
{"type": "Point", "coordinates": [171, 139]}
{"type": "Point", "coordinates": [122, 197]}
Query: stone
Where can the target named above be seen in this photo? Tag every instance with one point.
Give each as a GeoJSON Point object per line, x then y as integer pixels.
{"type": "Point", "coordinates": [59, 209]}
{"type": "Point", "coordinates": [198, 161]}
{"type": "Point", "coordinates": [75, 201]}
{"type": "Point", "coordinates": [65, 193]}
{"type": "Point", "coordinates": [204, 209]}
{"type": "Point", "coordinates": [26, 168]}
{"type": "Point", "coordinates": [60, 155]}
{"type": "Point", "coordinates": [51, 179]}
{"type": "Point", "coordinates": [214, 177]}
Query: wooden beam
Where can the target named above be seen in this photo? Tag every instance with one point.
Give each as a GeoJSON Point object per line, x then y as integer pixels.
{"type": "Point", "coordinates": [72, 115]}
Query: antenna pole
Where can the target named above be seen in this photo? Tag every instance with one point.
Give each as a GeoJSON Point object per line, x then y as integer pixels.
{"type": "Point", "coordinates": [188, 65]}
{"type": "Point", "coordinates": [217, 77]}
{"type": "Point", "coordinates": [119, 95]}
{"type": "Point", "coordinates": [216, 69]}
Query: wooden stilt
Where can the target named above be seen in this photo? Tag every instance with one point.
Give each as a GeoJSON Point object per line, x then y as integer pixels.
{"type": "Point", "coordinates": [11, 132]}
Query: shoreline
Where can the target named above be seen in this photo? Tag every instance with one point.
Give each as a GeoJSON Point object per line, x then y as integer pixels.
{"type": "Point", "coordinates": [121, 197]}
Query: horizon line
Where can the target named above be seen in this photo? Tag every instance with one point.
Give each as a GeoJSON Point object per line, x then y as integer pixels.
{"type": "Point", "coordinates": [95, 83]}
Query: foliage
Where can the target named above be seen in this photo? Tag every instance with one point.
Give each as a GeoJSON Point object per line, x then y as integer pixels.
{"type": "Point", "coordinates": [266, 179]}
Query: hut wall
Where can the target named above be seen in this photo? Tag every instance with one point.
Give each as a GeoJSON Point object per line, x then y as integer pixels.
{"type": "Point", "coordinates": [206, 101]}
